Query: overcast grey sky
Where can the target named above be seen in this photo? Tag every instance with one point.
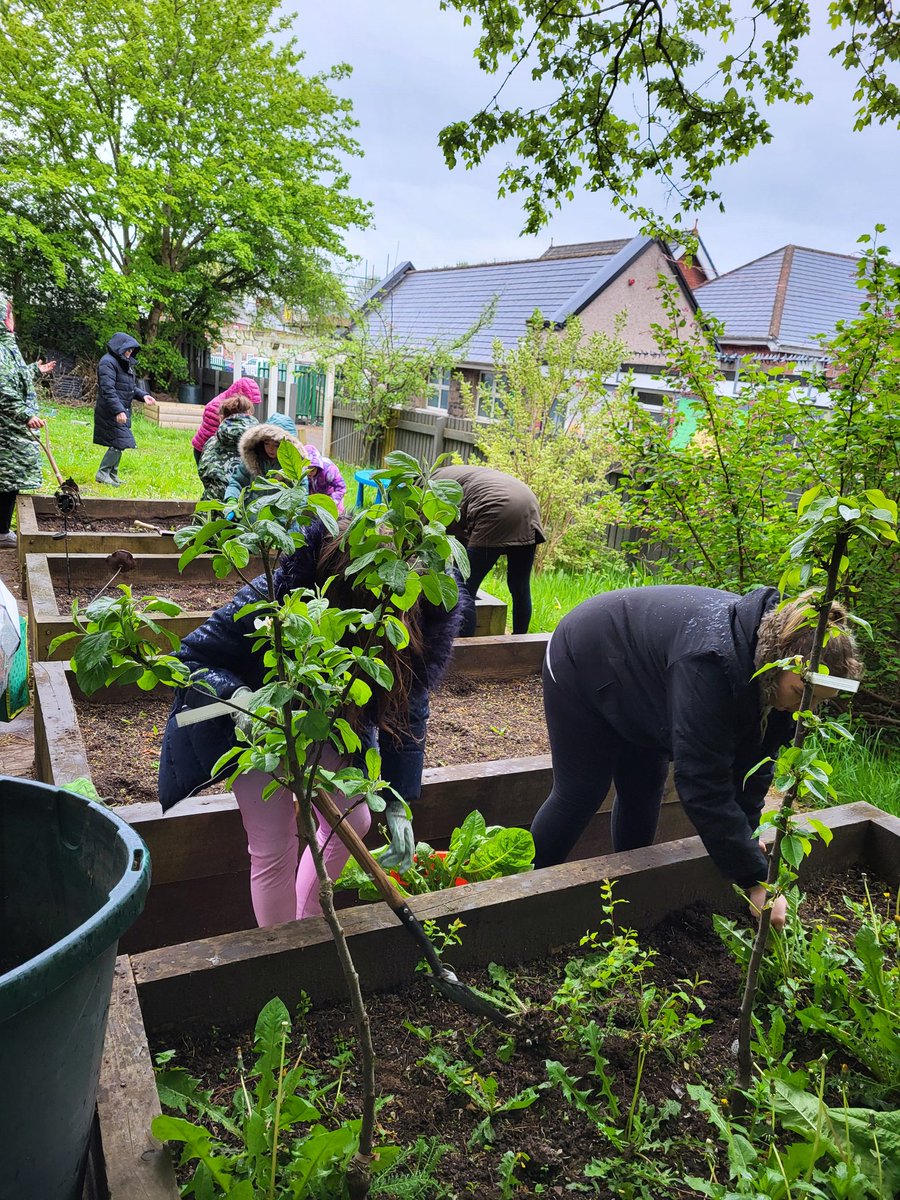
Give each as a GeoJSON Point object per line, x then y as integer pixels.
{"type": "Point", "coordinates": [817, 184]}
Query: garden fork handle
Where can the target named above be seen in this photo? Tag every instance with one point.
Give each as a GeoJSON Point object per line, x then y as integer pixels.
{"type": "Point", "coordinates": [45, 446]}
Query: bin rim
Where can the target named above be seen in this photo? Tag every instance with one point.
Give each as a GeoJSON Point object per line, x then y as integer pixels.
{"type": "Point", "coordinates": [27, 983]}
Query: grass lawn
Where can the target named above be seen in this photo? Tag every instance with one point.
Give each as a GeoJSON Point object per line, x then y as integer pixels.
{"type": "Point", "coordinates": [161, 468]}
{"type": "Point", "coordinates": [554, 593]}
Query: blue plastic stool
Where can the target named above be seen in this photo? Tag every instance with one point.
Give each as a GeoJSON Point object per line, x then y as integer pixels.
{"type": "Point", "coordinates": [366, 479]}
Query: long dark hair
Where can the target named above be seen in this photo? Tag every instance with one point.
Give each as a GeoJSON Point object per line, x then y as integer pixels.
{"type": "Point", "coordinates": [387, 708]}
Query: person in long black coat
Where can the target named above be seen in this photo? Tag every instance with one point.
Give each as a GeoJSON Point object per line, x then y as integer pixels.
{"type": "Point", "coordinates": [283, 885]}
{"type": "Point", "coordinates": [634, 679]}
{"type": "Point", "coordinates": [117, 389]}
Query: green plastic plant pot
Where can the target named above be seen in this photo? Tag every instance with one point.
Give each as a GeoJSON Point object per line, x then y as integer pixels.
{"type": "Point", "coordinates": [190, 393]}
{"type": "Point", "coordinates": [73, 878]}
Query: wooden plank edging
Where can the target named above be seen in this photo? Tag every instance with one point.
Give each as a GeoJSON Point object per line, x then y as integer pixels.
{"type": "Point", "coordinates": [138, 1166]}
{"type": "Point", "coordinates": [228, 979]}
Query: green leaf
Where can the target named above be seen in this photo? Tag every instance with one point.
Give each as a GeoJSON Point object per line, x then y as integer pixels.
{"type": "Point", "coordinates": [83, 787]}
{"type": "Point", "coordinates": [359, 693]}
{"type": "Point", "coordinates": [373, 763]}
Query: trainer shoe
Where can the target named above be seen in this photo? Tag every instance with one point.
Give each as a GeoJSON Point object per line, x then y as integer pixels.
{"type": "Point", "coordinates": [8, 541]}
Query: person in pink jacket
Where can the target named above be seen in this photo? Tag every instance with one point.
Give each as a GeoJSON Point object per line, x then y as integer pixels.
{"type": "Point", "coordinates": [209, 423]}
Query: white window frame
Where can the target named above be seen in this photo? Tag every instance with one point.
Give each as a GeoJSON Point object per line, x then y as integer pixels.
{"type": "Point", "coordinates": [488, 406]}
{"type": "Point", "coordinates": [439, 395]}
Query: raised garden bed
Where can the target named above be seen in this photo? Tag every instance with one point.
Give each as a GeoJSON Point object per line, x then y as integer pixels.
{"type": "Point", "coordinates": [52, 581]}
{"type": "Point", "coordinates": [222, 983]}
{"type": "Point", "coordinates": [200, 868]}
{"type": "Point", "coordinates": [99, 527]}
{"type": "Point", "coordinates": [471, 721]}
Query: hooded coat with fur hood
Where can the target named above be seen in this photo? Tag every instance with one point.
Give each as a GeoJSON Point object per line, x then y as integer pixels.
{"type": "Point", "coordinates": [254, 460]}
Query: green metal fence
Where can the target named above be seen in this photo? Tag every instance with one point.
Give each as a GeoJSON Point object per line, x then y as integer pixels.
{"type": "Point", "coordinates": [309, 404]}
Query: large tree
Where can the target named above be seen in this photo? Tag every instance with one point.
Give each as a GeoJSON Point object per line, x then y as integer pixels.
{"type": "Point", "coordinates": [674, 88]}
{"type": "Point", "coordinates": [197, 161]}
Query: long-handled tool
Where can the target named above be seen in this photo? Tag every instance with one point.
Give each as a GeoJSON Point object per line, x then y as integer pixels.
{"type": "Point", "coordinates": [441, 976]}
{"type": "Point", "coordinates": [67, 497]}
{"type": "Point", "coordinates": [152, 528]}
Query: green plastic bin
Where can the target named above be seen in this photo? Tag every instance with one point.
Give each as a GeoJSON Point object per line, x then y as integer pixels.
{"type": "Point", "coordinates": [73, 877]}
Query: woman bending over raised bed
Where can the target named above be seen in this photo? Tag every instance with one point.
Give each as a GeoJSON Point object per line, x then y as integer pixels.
{"type": "Point", "coordinates": [283, 884]}
{"type": "Point", "coordinates": [636, 678]}
{"type": "Point", "coordinates": [499, 517]}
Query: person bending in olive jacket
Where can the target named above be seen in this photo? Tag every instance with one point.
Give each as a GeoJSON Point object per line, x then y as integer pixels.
{"type": "Point", "coordinates": [499, 516]}
{"type": "Point", "coordinates": [283, 884]}
{"type": "Point", "coordinates": [635, 678]}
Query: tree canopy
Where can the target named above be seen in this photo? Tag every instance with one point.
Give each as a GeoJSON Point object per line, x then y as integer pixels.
{"type": "Point", "coordinates": [196, 161]}
{"type": "Point", "coordinates": [626, 88]}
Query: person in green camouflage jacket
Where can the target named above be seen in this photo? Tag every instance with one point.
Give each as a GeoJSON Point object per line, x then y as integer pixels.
{"type": "Point", "coordinates": [221, 457]}
{"type": "Point", "coordinates": [20, 453]}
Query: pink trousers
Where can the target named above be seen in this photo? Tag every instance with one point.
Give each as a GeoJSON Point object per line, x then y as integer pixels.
{"type": "Point", "coordinates": [281, 887]}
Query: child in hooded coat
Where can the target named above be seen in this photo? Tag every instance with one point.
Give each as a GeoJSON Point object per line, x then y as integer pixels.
{"type": "Point", "coordinates": [211, 418]}
{"type": "Point", "coordinates": [221, 457]}
{"type": "Point", "coordinates": [256, 459]}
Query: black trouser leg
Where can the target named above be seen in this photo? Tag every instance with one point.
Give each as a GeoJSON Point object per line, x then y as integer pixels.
{"type": "Point", "coordinates": [519, 561]}
{"type": "Point", "coordinates": [197, 454]}
{"type": "Point", "coordinates": [7, 508]}
{"type": "Point", "coordinates": [588, 755]}
{"type": "Point", "coordinates": [640, 776]}
{"type": "Point", "coordinates": [481, 559]}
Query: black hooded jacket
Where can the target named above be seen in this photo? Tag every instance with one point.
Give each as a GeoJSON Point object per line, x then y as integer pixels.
{"type": "Point", "coordinates": [224, 646]}
{"type": "Point", "coordinates": [671, 668]}
{"type": "Point", "coordinates": [117, 387]}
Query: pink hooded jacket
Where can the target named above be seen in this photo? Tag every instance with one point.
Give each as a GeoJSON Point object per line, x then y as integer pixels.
{"type": "Point", "coordinates": [210, 420]}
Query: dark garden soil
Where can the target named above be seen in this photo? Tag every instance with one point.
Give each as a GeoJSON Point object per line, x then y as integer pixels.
{"type": "Point", "coordinates": [52, 523]}
{"type": "Point", "coordinates": [470, 722]}
{"type": "Point", "coordinates": [554, 1141]}
{"type": "Point", "coordinates": [201, 596]}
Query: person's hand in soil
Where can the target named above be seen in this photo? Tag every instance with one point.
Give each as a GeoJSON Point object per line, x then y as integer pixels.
{"type": "Point", "coordinates": [403, 842]}
{"type": "Point", "coordinates": [758, 897]}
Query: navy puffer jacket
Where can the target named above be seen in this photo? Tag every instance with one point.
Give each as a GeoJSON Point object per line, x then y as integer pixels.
{"type": "Point", "coordinates": [223, 647]}
{"type": "Point", "coordinates": [117, 388]}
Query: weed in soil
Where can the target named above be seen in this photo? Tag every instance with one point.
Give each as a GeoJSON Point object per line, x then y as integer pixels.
{"type": "Point", "coordinates": [597, 1093]}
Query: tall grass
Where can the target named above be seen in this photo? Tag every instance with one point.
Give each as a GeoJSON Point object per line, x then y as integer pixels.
{"type": "Point", "coordinates": [866, 769]}
{"type": "Point", "coordinates": [554, 593]}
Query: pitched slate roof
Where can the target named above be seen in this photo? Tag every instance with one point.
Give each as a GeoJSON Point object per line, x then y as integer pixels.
{"type": "Point", "coordinates": [422, 307]}
{"type": "Point", "coordinates": [785, 298]}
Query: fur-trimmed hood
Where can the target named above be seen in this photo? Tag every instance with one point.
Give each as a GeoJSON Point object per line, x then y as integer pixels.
{"type": "Point", "coordinates": [252, 451]}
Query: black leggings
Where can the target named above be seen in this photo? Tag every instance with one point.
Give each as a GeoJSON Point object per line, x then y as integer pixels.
{"type": "Point", "coordinates": [519, 561]}
{"type": "Point", "coordinates": [7, 507]}
{"type": "Point", "coordinates": [588, 755]}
